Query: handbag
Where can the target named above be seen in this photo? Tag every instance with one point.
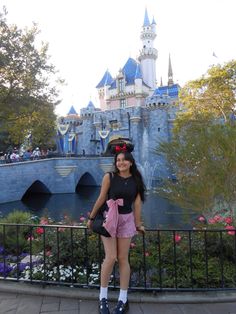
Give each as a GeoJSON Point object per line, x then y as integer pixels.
{"type": "Point", "coordinates": [97, 224]}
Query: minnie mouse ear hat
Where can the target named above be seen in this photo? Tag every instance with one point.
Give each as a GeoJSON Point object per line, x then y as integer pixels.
{"type": "Point", "coordinates": [122, 148]}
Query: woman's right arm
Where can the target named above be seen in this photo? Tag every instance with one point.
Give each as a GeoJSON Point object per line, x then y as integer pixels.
{"type": "Point", "coordinates": [101, 198]}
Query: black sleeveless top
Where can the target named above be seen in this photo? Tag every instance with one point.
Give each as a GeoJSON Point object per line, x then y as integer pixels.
{"type": "Point", "coordinates": [125, 188]}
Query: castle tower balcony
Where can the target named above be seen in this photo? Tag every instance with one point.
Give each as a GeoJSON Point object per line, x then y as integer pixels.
{"type": "Point", "coordinates": [150, 53]}
{"type": "Point", "coordinates": [148, 34]}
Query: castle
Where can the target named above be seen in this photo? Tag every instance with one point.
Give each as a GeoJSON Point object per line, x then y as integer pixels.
{"type": "Point", "coordinates": [132, 107]}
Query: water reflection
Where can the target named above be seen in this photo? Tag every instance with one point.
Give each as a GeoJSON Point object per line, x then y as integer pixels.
{"type": "Point", "coordinates": [157, 212]}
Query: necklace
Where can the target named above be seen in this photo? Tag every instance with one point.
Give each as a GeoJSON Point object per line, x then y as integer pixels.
{"type": "Point", "coordinates": [126, 180]}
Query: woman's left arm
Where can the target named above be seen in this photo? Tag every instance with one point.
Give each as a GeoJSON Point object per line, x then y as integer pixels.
{"type": "Point", "coordinates": [137, 214]}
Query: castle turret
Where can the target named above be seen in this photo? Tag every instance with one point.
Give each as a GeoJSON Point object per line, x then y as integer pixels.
{"type": "Point", "coordinates": [148, 54]}
{"type": "Point", "coordinates": [103, 87]}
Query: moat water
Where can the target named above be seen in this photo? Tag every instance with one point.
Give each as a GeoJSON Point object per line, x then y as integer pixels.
{"type": "Point", "coordinates": [156, 211]}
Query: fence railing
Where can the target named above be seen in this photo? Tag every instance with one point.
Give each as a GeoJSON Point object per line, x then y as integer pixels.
{"type": "Point", "coordinates": [179, 260]}
{"type": "Point", "coordinates": [49, 156]}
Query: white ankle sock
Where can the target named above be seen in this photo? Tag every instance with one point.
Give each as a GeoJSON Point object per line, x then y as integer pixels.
{"type": "Point", "coordinates": [123, 295]}
{"type": "Point", "coordinates": [103, 293]}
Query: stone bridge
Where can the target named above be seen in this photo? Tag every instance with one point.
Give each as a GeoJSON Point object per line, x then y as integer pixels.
{"type": "Point", "coordinates": [54, 175]}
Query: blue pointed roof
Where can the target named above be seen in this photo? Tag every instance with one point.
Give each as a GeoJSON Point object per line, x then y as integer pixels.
{"type": "Point", "coordinates": [153, 21]}
{"type": "Point", "coordinates": [90, 105]}
{"type": "Point", "coordinates": [138, 74]}
{"type": "Point", "coordinates": [72, 111]}
{"type": "Point", "coordinates": [172, 90]}
{"type": "Point", "coordinates": [106, 80]}
{"type": "Point", "coordinates": [131, 71]}
{"type": "Point", "coordinates": [146, 21]}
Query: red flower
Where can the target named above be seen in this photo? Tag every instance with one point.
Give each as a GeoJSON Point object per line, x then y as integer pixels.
{"type": "Point", "coordinates": [211, 221]}
{"type": "Point", "coordinates": [230, 228]}
{"type": "Point", "coordinates": [229, 220]}
{"type": "Point", "coordinates": [39, 230]}
{"type": "Point", "coordinates": [177, 238]}
{"type": "Point", "coordinates": [218, 218]}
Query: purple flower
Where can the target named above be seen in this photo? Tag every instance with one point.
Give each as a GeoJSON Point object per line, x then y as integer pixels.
{"type": "Point", "coordinates": [5, 269]}
{"type": "Point", "coordinates": [22, 266]}
{"type": "Point", "coordinates": [1, 249]}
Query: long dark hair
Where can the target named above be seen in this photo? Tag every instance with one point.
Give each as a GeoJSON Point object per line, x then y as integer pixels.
{"type": "Point", "coordinates": [134, 171]}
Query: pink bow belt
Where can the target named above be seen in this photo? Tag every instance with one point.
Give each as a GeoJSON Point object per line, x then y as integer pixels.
{"type": "Point", "coordinates": [111, 221]}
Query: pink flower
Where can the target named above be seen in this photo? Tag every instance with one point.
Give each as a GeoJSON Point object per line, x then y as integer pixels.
{"type": "Point", "coordinates": [147, 254]}
{"type": "Point", "coordinates": [132, 245]}
{"type": "Point", "coordinates": [82, 219]}
{"type": "Point", "coordinates": [61, 229]}
{"type": "Point", "coordinates": [230, 228]}
{"type": "Point", "coordinates": [30, 238]}
{"type": "Point", "coordinates": [177, 238]}
{"type": "Point", "coordinates": [43, 221]}
{"type": "Point", "coordinates": [229, 220]}
{"type": "Point", "coordinates": [211, 221]}
{"type": "Point", "coordinates": [39, 230]}
{"type": "Point", "coordinates": [218, 218]}
{"type": "Point", "coordinates": [201, 218]}
{"type": "Point", "coordinates": [48, 253]}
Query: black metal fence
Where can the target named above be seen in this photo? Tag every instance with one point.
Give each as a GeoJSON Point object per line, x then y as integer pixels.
{"type": "Point", "coordinates": [176, 260]}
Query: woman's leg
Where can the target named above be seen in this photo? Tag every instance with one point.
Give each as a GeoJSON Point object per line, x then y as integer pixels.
{"type": "Point", "coordinates": [110, 247]}
{"type": "Point", "coordinates": [123, 246]}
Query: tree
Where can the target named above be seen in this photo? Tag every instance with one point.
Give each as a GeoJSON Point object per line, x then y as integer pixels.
{"type": "Point", "coordinates": [202, 150]}
{"type": "Point", "coordinates": [28, 95]}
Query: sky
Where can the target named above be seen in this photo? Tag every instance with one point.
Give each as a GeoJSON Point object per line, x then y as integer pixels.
{"type": "Point", "coordinates": [88, 37]}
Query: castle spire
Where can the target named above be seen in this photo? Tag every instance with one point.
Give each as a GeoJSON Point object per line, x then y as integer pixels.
{"type": "Point", "coordinates": [161, 83]}
{"type": "Point", "coordinates": [146, 21]}
{"type": "Point", "coordinates": [170, 73]}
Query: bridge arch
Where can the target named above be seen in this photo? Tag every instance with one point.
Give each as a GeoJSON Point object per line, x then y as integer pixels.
{"type": "Point", "coordinates": [37, 187]}
{"type": "Point", "coordinates": [86, 180]}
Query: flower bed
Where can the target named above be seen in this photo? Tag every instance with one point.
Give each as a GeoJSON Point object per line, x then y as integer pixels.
{"type": "Point", "coordinates": [201, 258]}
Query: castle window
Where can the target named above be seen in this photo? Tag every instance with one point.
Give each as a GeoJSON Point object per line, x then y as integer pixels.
{"type": "Point", "coordinates": [121, 85]}
{"type": "Point", "coordinates": [122, 103]}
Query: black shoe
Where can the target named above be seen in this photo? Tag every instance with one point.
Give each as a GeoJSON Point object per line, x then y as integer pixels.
{"type": "Point", "coordinates": [103, 307]}
{"type": "Point", "coordinates": [121, 307]}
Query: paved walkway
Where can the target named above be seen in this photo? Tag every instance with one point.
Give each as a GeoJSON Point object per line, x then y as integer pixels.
{"type": "Point", "coordinates": [18, 298]}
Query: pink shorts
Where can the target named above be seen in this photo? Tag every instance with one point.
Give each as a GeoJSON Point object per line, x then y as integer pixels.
{"type": "Point", "coordinates": [126, 225]}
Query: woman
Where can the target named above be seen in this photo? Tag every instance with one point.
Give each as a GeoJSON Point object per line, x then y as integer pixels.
{"type": "Point", "coordinates": [123, 220]}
